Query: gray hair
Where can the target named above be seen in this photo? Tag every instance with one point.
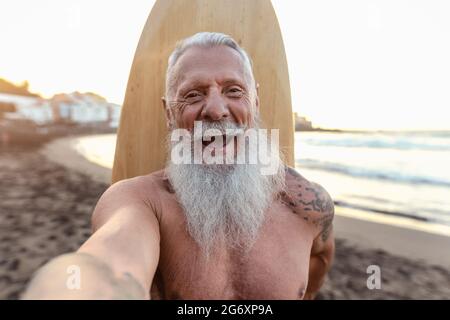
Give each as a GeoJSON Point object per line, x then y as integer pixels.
{"type": "Point", "coordinates": [205, 40]}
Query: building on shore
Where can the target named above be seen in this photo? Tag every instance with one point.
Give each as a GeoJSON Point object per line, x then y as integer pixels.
{"type": "Point", "coordinates": [24, 118]}
{"type": "Point", "coordinates": [301, 123]}
{"type": "Point", "coordinates": [74, 108]}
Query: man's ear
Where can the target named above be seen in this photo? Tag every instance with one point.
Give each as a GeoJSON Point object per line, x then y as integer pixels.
{"type": "Point", "coordinates": [168, 113]}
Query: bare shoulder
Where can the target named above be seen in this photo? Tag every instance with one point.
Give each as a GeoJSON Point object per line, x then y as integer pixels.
{"type": "Point", "coordinates": [140, 193]}
{"type": "Point", "coordinates": [310, 201]}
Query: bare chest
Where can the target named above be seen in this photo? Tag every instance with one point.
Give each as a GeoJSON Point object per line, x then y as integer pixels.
{"type": "Point", "coordinates": [276, 266]}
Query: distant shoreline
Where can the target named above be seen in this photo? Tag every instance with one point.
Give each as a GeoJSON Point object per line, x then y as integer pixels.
{"type": "Point", "coordinates": [433, 132]}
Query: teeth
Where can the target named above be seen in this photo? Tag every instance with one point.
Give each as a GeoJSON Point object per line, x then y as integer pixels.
{"type": "Point", "coordinates": [213, 136]}
{"type": "Point", "coordinates": [229, 134]}
{"type": "Point", "coordinates": [226, 139]}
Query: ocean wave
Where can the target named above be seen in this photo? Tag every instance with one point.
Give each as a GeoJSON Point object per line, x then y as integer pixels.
{"type": "Point", "coordinates": [405, 211]}
{"type": "Point", "coordinates": [382, 211]}
{"type": "Point", "coordinates": [391, 142]}
{"type": "Point", "coordinates": [378, 174]}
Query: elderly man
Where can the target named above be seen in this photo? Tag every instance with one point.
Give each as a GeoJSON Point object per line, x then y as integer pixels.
{"type": "Point", "coordinates": [203, 230]}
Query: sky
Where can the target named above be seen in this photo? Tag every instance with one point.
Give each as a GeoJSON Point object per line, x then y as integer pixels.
{"type": "Point", "coordinates": [353, 64]}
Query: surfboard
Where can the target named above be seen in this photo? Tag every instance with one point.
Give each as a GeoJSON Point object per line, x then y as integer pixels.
{"type": "Point", "coordinates": [141, 136]}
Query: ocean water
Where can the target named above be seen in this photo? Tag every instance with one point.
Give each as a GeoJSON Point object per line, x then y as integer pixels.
{"type": "Point", "coordinates": [404, 174]}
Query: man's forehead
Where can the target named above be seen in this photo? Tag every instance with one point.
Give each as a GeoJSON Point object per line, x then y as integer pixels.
{"type": "Point", "coordinates": [189, 80]}
{"type": "Point", "coordinates": [221, 59]}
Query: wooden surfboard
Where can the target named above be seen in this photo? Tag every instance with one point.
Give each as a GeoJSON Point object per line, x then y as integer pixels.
{"type": "Point", "coordinates": [141, 147]}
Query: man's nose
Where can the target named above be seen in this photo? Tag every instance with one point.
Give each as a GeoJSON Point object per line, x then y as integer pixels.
{"type": "Point", "coordinates": [215, 108]}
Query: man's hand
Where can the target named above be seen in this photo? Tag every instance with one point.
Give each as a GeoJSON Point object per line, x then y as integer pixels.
{"type": "Point", "coordinates": [81, 276]}
{"type": "Point", "coordinates": [118, 261]}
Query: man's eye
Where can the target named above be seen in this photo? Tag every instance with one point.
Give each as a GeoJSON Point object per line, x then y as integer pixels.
{"type": "Point", "coordinates": [192, 95]}
{"type": "Point", "coordinates": [235, 91]}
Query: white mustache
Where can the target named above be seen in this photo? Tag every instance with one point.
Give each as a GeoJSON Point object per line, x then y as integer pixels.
{"type": "Point", "coordinates": [224, 129]}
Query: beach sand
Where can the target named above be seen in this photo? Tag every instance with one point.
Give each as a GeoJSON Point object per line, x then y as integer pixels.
{"type": "Point", "coordinates": [45, 211]}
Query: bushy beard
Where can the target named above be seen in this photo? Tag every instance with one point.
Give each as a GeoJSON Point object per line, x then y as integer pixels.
{"type": "Point", "coordinates": [225, 203]}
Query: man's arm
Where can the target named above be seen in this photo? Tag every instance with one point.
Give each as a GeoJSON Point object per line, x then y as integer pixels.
{"type": "Point", "coordinates": [322, 255]}
{"type": "Point", "coordinates": [322, 251]}
{"type": "Point", "coordinates": [314, 204]}
{"type": "Point", "coordinates": [117, 262]}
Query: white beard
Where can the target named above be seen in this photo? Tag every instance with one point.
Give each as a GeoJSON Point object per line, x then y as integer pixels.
{"type": "Point", "coordinates": [224, 202]}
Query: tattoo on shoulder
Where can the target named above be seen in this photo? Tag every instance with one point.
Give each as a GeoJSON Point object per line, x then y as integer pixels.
{"type": "Point", "coordinates": [310, 201]}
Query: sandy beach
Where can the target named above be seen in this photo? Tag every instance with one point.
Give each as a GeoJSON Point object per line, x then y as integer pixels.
{"type": "Point", "coordinates": [46, 207]}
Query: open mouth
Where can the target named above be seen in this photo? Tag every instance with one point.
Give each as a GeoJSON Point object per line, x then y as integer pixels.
{"type": "Point", "coordinates": [226, 140]}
